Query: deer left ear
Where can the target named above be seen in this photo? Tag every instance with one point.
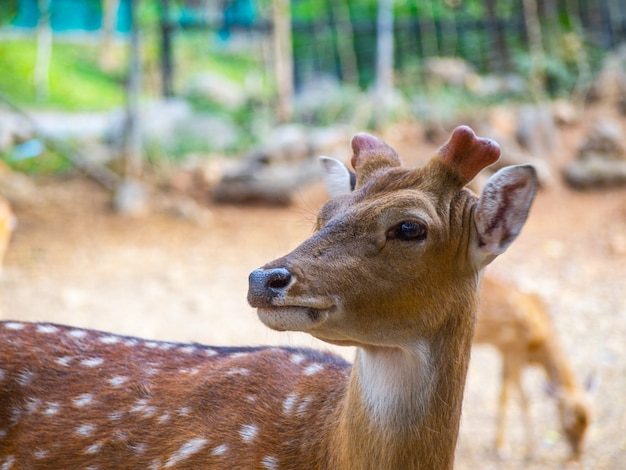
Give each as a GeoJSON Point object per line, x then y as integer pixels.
{"type": "Point", "coordinates": [502, 210]}
{"type": "Point", "coordinates": [338, 179]}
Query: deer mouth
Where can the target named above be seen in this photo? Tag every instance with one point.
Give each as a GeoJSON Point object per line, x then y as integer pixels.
{"type": "Point", "coordinates": [292, 318]}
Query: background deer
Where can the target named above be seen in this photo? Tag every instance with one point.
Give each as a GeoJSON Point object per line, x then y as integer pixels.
{"type": "Point", "coordinates": [7, 225]}
{"type": "Point", "coordinates": [518, 324]}
{"type": "Point", "coordinates": [393, 269]}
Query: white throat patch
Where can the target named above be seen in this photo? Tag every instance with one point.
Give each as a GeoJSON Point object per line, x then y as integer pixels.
{"type": "Point", "coordinates": [397, 384]}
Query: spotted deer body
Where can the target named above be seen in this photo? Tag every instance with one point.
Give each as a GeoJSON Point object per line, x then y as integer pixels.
{"type": "Point", "coordinates": [393, 269]}
{"type": "Point", "coordinates": [76, 398]}
{"type": "Point", "coordinates": [519, 326]}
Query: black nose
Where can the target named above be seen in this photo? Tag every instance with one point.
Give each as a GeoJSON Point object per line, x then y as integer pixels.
{"type": "Point", "coordinates": [265, 284]}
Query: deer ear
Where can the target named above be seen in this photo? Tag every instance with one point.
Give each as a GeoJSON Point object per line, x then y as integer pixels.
{"type": "Point", "coordinates": [339, 180]}
{"type": "Point", "coordinates": [502, 210]}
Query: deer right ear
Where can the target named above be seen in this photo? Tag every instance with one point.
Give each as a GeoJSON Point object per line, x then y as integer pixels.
{"type": "Point", "coordinates": [502, 210]}
{"type": "Point", "coordinates": [339, 180]}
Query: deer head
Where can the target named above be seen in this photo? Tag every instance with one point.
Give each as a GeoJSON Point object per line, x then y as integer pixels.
{"type": "Point", "coordinates": [394, 257]}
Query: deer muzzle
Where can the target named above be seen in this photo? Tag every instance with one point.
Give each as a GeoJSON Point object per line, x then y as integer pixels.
{"type": "Point", "coordinates": [268, 293]}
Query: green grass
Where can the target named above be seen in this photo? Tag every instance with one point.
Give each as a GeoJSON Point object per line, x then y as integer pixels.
{"type": "Point", "coordinates": [76, 81]}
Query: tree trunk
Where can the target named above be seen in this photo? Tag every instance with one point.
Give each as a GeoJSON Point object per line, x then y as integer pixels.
{"type": "Point", "coordinates": [133, 146]}
{"type": "Point", "coordinates": [384, 60]}
{"type": "Point", "coordinates": [44, 51]}
{"type": "Point", "coordinates": [345, 41]}
{"type": "Point", "coordinates": [108, 58]}
{"type": "Point", "coordinates": [167, 69]}
{"type": "Point", "coordinates": [283, 59]}
{"type": "Point", "coordinates": [535, 47]}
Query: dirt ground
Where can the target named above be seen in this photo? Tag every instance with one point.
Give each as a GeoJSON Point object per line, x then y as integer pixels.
{"type": "Point", "coordinates": [72, 261]}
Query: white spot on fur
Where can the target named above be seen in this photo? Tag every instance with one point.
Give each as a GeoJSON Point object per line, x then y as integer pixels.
{"type": "Point", "coordinates": [92, 362]}
{"type": "Point", "coordinates": [52, 408]}
{"type": "Point", "coordinates": [151, 344]}
{"type": "Point", "coordinates": [116, 415]}
{"type": "Point", "coordinates": [93, 448]}
{"type": "Point", "coordinates": [85, 430]}
{"type": "Point", "coordinates": [139, 447]}
{"type": "Point", "coordinates": [32, 404]}
{"type": "Point", "coordinates": [118, 381]}
{"type": "Point", "coordinates": [304, 404]}
{"type": "Point", "coordinates": [83, 400]}
{"type": "Point", "coordinates": [142, 407]}
{"type": "Point", "coordinates": [184, 411]}
{"type": "Point", "coordinates": [220, 450]}
{"type": "Point", "coordinates": [2, 374]}
{"type": "Point", "coordinates": [312, 369]}
{"type": "Point", "coordinates": [109, 339]}
{"type": "Point", "coordinates": [15, 415]}
{"type": "Point", "coordinates": [3, 432]}
{"type": "Point", "coordinates": [41, 454]}
{"type": "Point", "coordinates": [188, 349]}
{"type": "Point", "coordinates": [270, 462]}
{"type": "Point", "coordinates": [47, 329]}
{"type": "Point", "coordinates": [163, 418]}
{"type": "Point", "coordinates": [289, 402]}
{"type": "Point", "coordinates": [131, 342]}
{"type": "Point", "coordinates": [239, 355]}
{"type": "Point", "coordinates": [64, 360]}
{"type": "Point", "coordinates": [8, 462]}
{"type": "Point", "coordinates": [248, 432]}
{"type": "Point", "coordinates": [189, 448]}
{"type": "Point", "coordinates": [78, 334]}
{"type": "Point", "coordinates": [297, 358]}
{"type": "Point", "coordinates": [25, 377]}
{"type": "Point", "coordinates": [11, 325]}
{"type": "Point", "coordinates": [239, 371]}
{"type": "Point", "coordinates": [210, 352]}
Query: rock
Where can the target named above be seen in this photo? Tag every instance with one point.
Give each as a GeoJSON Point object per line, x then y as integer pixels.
{"type": "Point", "coordinates": [265, 184]}
{"type": "Point", "coordinates": [172, 126]}
{"type": "Point", "coordinates": [131, 198]}
{"type": "Point", "coordinates": [605, 141]}
{"type": "Point", "coordinates": [448, 71]}
{"type": "Point", "coordinates": [287, 160]}
{"type": "Point", "coordinates": [601, 160]}
{"type": "Point", "coordinates": [595, 173]}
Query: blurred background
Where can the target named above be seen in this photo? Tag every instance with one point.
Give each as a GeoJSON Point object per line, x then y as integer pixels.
{"type": "Point", "coordinates": [154, 152]}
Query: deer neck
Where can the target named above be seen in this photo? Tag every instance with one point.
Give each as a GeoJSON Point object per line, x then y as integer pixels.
{"type": "Point", "coordinates": [556, 366]}
{"type": "Point", "coordinates": [403, 405]}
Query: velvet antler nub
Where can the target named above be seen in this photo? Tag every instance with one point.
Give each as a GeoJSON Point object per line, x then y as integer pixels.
{"type": "Point", "coordinates": [467, 154]}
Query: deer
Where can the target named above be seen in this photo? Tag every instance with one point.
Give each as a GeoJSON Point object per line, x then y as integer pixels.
{"type": "Point", "coordinates": [519, 326]}
{"type": "Point", "coordinates": [392, 268]}
{"type": "Point", "coordinates": [8, 223]}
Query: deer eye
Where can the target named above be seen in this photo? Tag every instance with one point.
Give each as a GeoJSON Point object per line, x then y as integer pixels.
{"type": "Point", "coordinates": [408, 231]}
